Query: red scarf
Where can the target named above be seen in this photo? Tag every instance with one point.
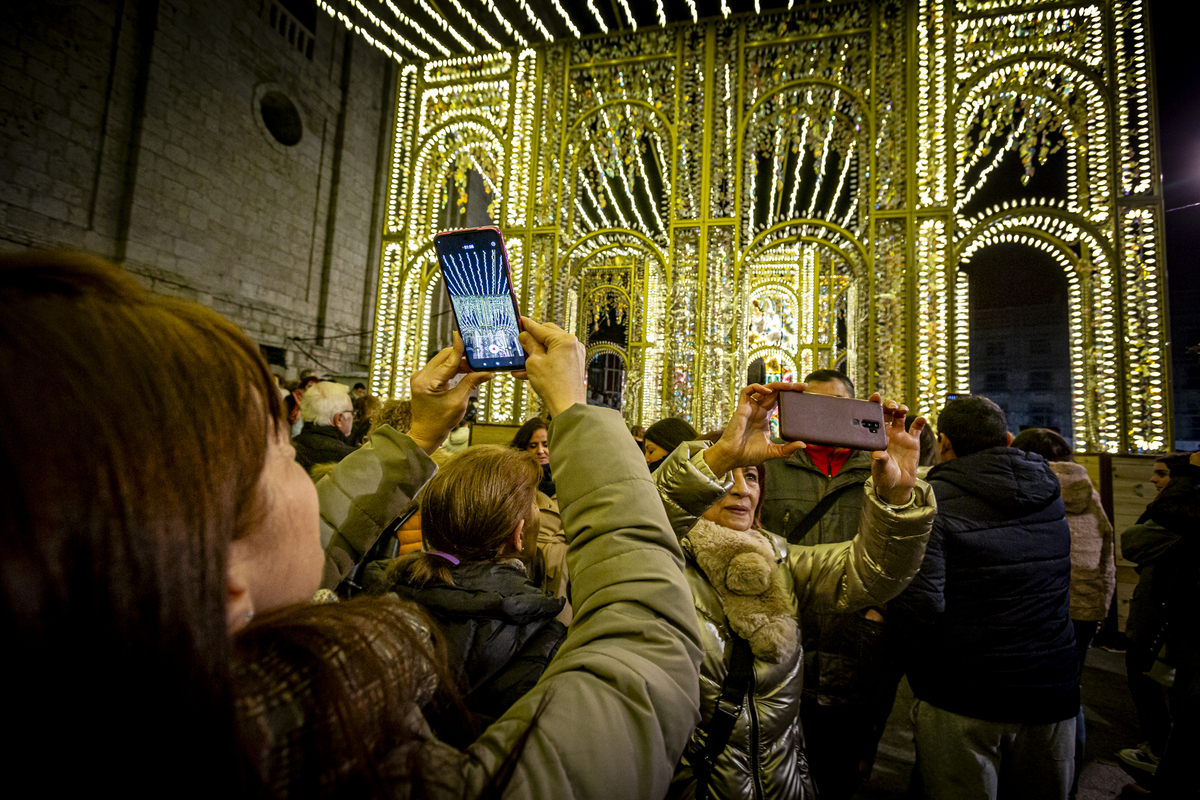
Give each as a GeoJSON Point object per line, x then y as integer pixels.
{"type": "Point", "coordinates": [829, 460]}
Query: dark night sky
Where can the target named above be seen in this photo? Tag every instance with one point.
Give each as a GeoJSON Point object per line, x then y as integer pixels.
{"type": "Point", "coordinates": [1177, 71]}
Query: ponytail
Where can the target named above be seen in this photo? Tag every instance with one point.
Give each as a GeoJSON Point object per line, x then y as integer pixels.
{"type": "Point", "coordinates": [421, 569]}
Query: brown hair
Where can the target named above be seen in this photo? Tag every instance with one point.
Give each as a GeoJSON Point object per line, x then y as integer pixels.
{"type": "Point", "coordinates": [118, 520]}
{"type": "Point", "coordinates": [524, 435]}
{"type": "Point", "coordinates": [397, 413]}
{"type": "Point", "coordinates": [470, 510]}
{"type": "Point", "coordinates": [328, 692]}
{"type": "Point", "coordinates": [365, 406]}
{"type": "Point", "coordinates": [325, 689]}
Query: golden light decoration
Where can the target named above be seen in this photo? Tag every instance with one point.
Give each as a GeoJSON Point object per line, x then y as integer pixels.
{"type": "Point", "coordinates": [836, 153]}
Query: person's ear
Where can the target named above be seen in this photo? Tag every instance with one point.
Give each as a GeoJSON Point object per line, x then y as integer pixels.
{"type": "Point", "coordinates": [518, 537]}
{"type": "Point", "coordinates": [239, 605]}
{"type": "Point", "coordinates": [946, 450]}
{"type": "Point", "coordinates": [1010, 439]}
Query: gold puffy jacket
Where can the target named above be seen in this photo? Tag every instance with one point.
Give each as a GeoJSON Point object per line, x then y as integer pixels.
{"type": "Point", "coordinates": [764, 757]}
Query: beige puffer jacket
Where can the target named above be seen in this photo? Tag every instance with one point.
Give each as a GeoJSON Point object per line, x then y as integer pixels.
{"type": "Point", "coordinates": [1093, 563]}
{"type": "Point", "coordinates": [552, 542]}
{"type": "Point", "coordinates": [765, 756]}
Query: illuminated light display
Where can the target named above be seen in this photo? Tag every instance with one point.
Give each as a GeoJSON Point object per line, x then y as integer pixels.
{"type": "Point", "coordinates": [823, 165]}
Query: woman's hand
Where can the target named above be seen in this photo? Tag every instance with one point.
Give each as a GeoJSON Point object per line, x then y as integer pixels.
{"type": "Point", "coordinates": [895, 469]}
{"type": "Point", "coordinates": [554, 366]}
{"type": "Point", "coordinates": [437, 406]}
{"type": "Point", "coordinates": [746, 441]}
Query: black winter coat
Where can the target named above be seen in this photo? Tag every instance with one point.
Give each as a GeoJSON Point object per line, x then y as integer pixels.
{"type": "Point", "coordinates": [985, 627]}
{"type": "Point", "coordinates": [500, 633]}
{"type": "Point", "coordinates": [320, 444]}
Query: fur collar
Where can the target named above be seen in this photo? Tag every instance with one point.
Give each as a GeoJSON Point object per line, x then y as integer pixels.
{"type": "Point", "coordinates": [741, 566]}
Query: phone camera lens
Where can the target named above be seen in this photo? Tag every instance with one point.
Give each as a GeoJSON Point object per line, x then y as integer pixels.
{"type": "Point", "coordinates": [854, 422]}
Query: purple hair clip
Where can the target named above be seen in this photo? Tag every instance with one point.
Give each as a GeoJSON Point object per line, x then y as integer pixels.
{"type": "Point", "coordinates": [446, 556]}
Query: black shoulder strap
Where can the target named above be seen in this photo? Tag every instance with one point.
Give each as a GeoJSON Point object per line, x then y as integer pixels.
{"type": "Point", "coordinates": [385, 546]}
{"type": "Point", "coordinates": [725, 715]}
{"type": "Point", "coordinates": [818, 511]}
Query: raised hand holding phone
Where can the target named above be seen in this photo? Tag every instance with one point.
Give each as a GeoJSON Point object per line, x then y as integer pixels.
{"type": "Point", "coordinates": [895, 469]}
{"type": "Point", "coordinates": [746, 440]}
{"type": "Point", "coordinates": [555, 365]}
{"type": "Point", "coordinates": [478, 280]}
{"type": "Point", "coordinates": [438, 403]}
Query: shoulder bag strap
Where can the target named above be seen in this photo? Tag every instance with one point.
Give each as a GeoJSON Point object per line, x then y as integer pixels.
{"type": "Point", "coordinates": [818, 511]}
{"type": "Point", "coordinates": [725, 715]}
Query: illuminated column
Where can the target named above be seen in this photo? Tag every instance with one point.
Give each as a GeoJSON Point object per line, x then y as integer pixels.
{"type": "Point", "coordinates": [889, 328]}
{"type": "Point", "coordinates": [723, 322]}
{"type": "Point", "coordinates": [1145, 373]}
{"type": "Point", "coordinates": [962, 334]}
{"type": "Point", "coordinates": [652, 370]}
{"type": "Point", "coordinates": [933, 318]}
{"type": "Point", "coordinates": [682, 316]}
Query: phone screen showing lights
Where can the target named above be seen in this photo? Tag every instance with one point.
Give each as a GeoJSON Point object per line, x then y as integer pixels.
{"type": "Point", "coordinates": [475, 269]}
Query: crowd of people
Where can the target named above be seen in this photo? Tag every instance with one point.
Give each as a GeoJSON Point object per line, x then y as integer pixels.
{"type": "Point", "coordinates": [216, 584]}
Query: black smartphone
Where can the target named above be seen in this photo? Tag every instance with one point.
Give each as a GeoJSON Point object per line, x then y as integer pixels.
{"type": "Point", "coordinates": [833, 421]}
{"type": "Point", "coordinates": [478, 279]}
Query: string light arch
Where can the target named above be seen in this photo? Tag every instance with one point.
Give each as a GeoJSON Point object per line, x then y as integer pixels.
{"type": "Point", "coordinates": [719, 158]}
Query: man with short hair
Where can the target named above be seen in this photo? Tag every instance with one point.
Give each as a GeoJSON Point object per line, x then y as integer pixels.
{"type": "Point", "coordinates": [985, 627]}
{"type": "Point", "coordinates": [328, 417]}
{"type": "Point", "coordinates": [815, 497]}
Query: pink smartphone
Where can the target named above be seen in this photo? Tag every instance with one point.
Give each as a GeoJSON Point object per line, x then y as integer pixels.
{"type": "Point", "coordinates": [477, 277]}
{"type": "Point", "coordinates": [833, 421]}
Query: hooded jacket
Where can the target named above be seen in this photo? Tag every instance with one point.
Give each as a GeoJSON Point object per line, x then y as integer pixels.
{"type": "Point", "coordinates": [499, 630]}
{"type": "Point", "coordinates": [1093, 564]}
{"type": "Point", "coordinates": [985, 626]}
{"type": "Point", "coordinates": [765, 753]}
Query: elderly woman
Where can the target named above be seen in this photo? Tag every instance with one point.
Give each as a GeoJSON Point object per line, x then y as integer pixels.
{"type": "Point", "coordinates": [145, 529]}
{"type": "Point", "coordinates": [750, 588]}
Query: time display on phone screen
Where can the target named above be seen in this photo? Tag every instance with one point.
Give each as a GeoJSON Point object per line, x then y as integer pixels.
{"type": "Point", "coordinates": [476, 274]}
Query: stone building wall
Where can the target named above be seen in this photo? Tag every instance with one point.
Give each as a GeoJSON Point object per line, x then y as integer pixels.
{"type": "Point", "coordinates": [134, 129]}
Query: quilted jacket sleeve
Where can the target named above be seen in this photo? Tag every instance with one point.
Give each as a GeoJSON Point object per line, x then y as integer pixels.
{"type": "Point", "coordinates": [364, 493]}
{"type": "Point", "coordinates": [874, 566]}
{"type": "Point", "coordinates": [869, 570]}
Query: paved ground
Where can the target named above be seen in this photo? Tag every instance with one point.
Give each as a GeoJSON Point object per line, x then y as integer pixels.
{"type": "Point", "coordinates": [1111, 725]}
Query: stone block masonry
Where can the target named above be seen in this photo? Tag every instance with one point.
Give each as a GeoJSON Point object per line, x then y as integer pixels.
{"type": "Point", "coordinates": [162, 135]}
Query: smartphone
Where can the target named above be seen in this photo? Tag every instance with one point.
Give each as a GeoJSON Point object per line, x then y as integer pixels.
{"type": "Point", "coordinates": [833, 421]}
{"type": "Point", "coordinates": [477, 277]}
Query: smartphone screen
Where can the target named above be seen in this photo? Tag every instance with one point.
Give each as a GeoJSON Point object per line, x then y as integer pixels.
{"type": "Point", "coordinates": [477, 277]}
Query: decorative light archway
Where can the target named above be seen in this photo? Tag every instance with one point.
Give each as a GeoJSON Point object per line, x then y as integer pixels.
{"type": "Point", "coordinates": [856, 129]}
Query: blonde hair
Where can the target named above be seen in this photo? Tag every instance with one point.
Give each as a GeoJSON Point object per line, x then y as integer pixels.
{"type": "Point", "coordinates": [323, 401]}
{"type": "Point", "coordinates": [470, 510]}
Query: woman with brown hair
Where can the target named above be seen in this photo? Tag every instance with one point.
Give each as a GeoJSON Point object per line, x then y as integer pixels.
{"type": "Point", "coordinates": [534, 438]}
{"type": "Point", "coordinates": [499, 628]}
{"type": "Point", "coordinates": [151, 524]}
{"type": "Point", "coordinates": [117, 529]}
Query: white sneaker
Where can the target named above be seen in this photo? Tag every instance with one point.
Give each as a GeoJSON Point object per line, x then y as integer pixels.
{"type": "Point", "coordinates": [1140, 757]}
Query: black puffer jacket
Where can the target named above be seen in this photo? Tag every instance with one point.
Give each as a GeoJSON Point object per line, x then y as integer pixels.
{"type": "Point", "coordinates": [985, 627]}
{"type": "Point", "coordinates": [500, 633]}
